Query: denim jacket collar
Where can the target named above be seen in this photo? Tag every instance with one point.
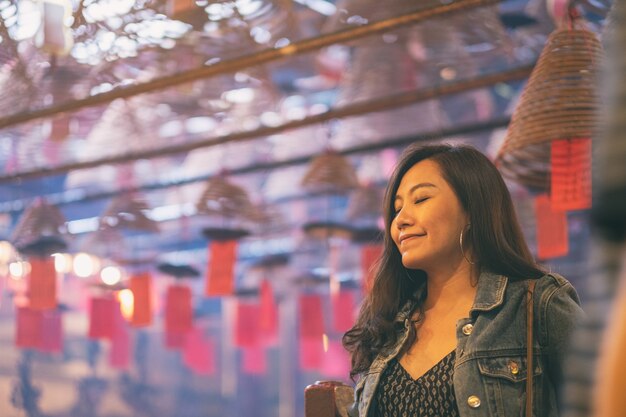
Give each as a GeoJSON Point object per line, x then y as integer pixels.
{"type": "Point", "coordinates": [490, 292]}
{"type": "Point", "coordinates": [489, 295]}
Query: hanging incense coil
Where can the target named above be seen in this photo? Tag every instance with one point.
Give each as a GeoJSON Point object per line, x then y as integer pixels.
{"type": "Point", "coordinates": [225, 199]}
{"type": "Point", "coordinates": [41, 230]}
{"type": "Point", "coordinates": [365, 203]}
{"type": "Point", "coordinates": [127, 212]}
{"type": "Point", "coordinates": [559, 102]}
{"type": "Point", "coordinates": [330, 172]}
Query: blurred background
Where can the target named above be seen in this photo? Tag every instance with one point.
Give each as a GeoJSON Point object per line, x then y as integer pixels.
{"type": "Point", "coordinates": [190, 190]}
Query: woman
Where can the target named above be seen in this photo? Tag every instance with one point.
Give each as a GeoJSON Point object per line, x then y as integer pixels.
{"type": "Point", "coordinates": [443, 331]}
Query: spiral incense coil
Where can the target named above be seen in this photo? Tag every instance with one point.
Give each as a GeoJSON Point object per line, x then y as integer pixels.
{"type": "Point", "coordinates": [560, 101]}
{"type": "Point", "coordinates": [330, 172]}
{"type": "Point", "coordinates": [40, 230]}
{"type": "Point", "coordinates": [223, 198]}
{"type": "Point", "coordinates": [128, 213]}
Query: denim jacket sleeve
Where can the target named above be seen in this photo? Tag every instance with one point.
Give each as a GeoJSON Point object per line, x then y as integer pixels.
{"type": "Point", "coordinates": [561, 313]}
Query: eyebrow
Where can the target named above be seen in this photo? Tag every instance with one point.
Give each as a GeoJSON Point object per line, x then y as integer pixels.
{"type": "Point", "coordinates": [417, 186]}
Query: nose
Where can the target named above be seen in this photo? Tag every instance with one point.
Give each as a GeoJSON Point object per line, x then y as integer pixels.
{"type": "Point", "coordinates": [403, 219]}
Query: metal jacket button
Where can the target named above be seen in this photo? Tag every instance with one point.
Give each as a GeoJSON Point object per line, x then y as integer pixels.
{"type": "Point", "coordinates": [473, 401]}
{"type": "Point", "coordinates": [467, 329]}
{"type": "Point", "coordinates": [514, 367]}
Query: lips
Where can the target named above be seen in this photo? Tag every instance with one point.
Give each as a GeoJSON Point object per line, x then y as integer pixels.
{"type": "Point", "coordinates": [407, 237]}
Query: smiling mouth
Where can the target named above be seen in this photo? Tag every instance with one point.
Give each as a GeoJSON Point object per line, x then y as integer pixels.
{"type": "Point", "coordinates": [404, 239]}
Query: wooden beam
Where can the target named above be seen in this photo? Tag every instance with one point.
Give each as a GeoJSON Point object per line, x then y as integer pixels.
{"type": "Point", "coordinates": [253, 59]}
{"type": "Point", "coordinates": [351, 110]}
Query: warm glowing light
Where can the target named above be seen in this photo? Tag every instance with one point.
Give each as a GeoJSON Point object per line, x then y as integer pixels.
{"type": "Point", "coordinates": [19, 269]}
{"type": "Point", "coordinates": [325, 342]}
{"type": "Point", "coordinates": [6, 252]}
{"type": "Point", "coordinates": [62, 262]}
{"type": "Point", "coordinates": [85, 265]}
{"type": "Point", "coordinates": [127, 303]}
{"type": "Point", "coordinates": [111, 275]}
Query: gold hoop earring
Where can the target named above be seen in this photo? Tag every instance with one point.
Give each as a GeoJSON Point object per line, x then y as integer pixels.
{"type": "Point", "coordinates": [462, 251]}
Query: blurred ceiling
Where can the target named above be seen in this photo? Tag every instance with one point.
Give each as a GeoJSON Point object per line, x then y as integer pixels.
{"type": "Point", "coordinates": [152, 99]}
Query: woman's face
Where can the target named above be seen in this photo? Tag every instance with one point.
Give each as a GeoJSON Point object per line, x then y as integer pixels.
{"type": "Point", "coordinates": [428, 220]}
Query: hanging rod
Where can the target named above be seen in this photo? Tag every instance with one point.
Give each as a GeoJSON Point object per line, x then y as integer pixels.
{"type": "Point", "coordinates": [16, 206]}
{"type": "Point", "coordinates": [246, 61]}
{"type": "Point", "coordinates": [351, 110]}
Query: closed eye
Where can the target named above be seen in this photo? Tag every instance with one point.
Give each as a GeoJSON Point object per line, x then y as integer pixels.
{"type": "Point", "coordinates": [421, 200]}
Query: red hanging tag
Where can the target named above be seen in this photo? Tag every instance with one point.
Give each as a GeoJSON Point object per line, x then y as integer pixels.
{"type": "Point", "coordinates": [552, 233]}
{"type": "Point", "coordinates": [571, 174]}
{"type": "Point", "coordinates": [311, 354]}
{"type": "Point", "coordinates": [199, 353]}
{"type": "Point", "coordinates": [369, 256]}
{"type": "Point", "coordinates": [178, 309]}
{"type": "Point", "coordinates": [175, 341]}
{"type": "Point", "coordinates": [311, 332]}
{"type": "Point", "coordinates": [311, 317]}
{"type": "Point", "coordinates": [336, 361]}
{"type": "Point", "coordinates": [141, 285]}
{"type": "Point", "coordinates": [268, 316]}
{"type": "Point", "coordinates": [119, 354]}
{"type": "Point", "coordinates": [247, 325]}
{"type": "Point", "coordinates": [42, 288]}
{"type": "Point", "coordinates": [101, 318]}
{"type": "Point", "coordinates": [220, 279]}
{"type": "Point", "coordinates": [28, 329]}
{"type": "Point", "coordinates": [254, 360]}
{"type": "Point", "coordinates": [52, 332]}
{"type": "Point", "coordinates": [343, 311]}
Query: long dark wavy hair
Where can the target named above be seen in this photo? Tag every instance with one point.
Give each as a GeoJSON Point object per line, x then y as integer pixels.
{"type": "Point", "coordinates": [495, 239]}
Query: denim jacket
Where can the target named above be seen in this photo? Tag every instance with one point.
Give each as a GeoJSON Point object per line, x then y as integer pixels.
{"type": "Point", "coordinates": [490, 368]}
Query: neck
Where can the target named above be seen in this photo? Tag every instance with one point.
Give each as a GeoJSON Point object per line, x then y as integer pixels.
{"type": "Point", "coordinates": [451, 287]}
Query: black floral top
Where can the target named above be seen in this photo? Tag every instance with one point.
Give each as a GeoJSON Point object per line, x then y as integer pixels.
{"type": "Point", "coordinates": [432, 394]}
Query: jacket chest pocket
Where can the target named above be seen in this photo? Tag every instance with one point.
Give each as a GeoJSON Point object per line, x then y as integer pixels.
{"type": "Point", "coordinates": [505, 383]}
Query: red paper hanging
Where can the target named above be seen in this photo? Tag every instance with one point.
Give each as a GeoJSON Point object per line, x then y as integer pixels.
{"type": "Point", "coordinates": [199, 353]}
{"type": "Point", "coordinates": [52, 332]}
{"type": "Point", "coordinates": [220, 279]}
{"type": "Point", "coordinates": [369, 256]}
{"type": "Point", "coordinates": [311, 353]}
{"type": "Point", "coordinates": [29, 328]}
{"type": "Point", "coordinates": [119, 354]}
{"type": "Point", "coordinates": [175, 341]}
{"type": "Point", "coordinates": [102, 318]}
{"type": "Point", "coordinates": [268, 316]}
{"type": "Point", "coordinates": [343, 310]}
{"type": "Point", "coordinates": [247, 332]}
{"type": "Point", "coordinates": [311, 316]}
{"type": "Point", "coordinates": [571, 174]}
{"type": "Point", "coordinates": [140, 285]}
{"type": "Point", "coordinates": [178, 309]}
{"type": "Point", "coordinates": [254, 360]}
{"type": "Point", "coordinates": [42, 288]}
{"type": "Point", "coordinates": [336, 362]}
{"type": "Point", "coordinates": [311, 331]}
{"type": "Point", "coordinates": [552, 233]}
